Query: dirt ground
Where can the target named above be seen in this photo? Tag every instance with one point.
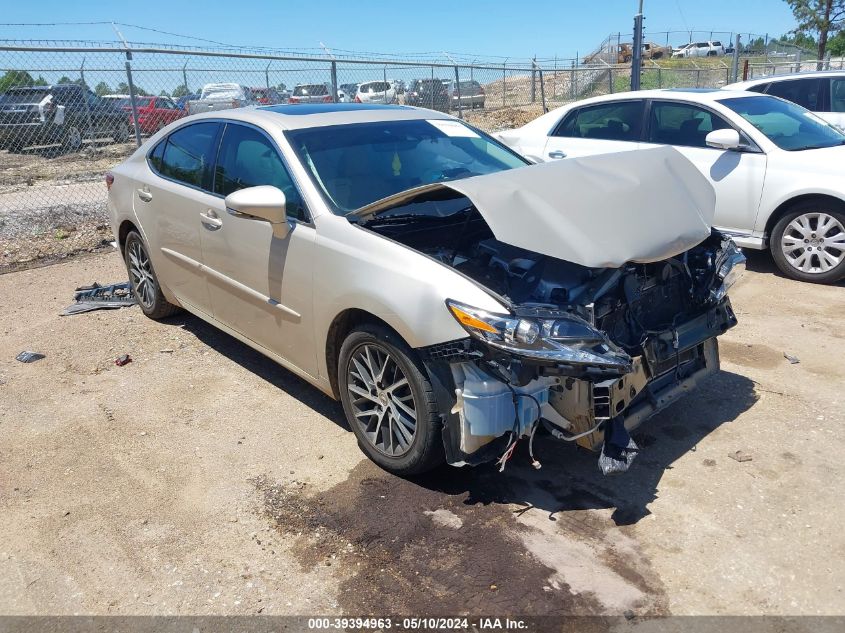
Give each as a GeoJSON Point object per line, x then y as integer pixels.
{"type": "Point", "coordinates": [203, 479]}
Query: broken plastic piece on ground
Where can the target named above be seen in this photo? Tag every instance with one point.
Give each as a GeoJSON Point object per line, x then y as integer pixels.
{"type": "Point", "coordinates": [120, 361]}
{"type": "Point", "coordinates": [793, 360]}
{"type": "Point", "coordinates": [618, 450]}
{"type": "Point", "coordinates": [97, 297]}
{"type": "Point", "coordinates": [29, 357]}
{"type": "Point", "coordinates": [740, 456]}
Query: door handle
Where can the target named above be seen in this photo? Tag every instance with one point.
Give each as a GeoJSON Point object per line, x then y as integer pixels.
{"type": "Point", "coordinates": [557, 154]}
{"type": "Point", "coordinates": [210, 220]}
{"type": "Point", "coordinates": [145, 195]}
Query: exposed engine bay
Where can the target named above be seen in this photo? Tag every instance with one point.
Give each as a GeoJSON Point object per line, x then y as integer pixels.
{"type": "Point", "coordinates": [587, 353]}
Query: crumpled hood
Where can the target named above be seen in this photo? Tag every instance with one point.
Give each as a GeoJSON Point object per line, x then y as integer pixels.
{"type": "Point", "coordinates": [598, 211]}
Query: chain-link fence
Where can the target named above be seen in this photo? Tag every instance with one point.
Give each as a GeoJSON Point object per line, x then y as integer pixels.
{"type": "Point", "coordinates": [69, 112]}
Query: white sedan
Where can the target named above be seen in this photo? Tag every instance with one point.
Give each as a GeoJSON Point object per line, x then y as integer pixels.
{"type": "Point", "coordinates": [777, 168]}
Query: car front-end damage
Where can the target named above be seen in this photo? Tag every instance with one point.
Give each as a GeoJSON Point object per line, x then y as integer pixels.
{"type": "Point", "coordinates": [607, 316]}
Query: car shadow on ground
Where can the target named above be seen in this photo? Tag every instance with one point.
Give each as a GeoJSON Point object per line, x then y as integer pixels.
{"type": "Point", "coordinates": [261, 366]}
{"type": "Point", "coordinates": [569, 479]}
{"type": "Point", "coordinates": [761, 262]}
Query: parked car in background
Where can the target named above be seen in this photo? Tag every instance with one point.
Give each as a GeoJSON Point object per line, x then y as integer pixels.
{"type": "Point", "coordinates": [378, 253]}
{"type": "Point", "coordinates": [342, 97]}
{"type": "Point", "coordinates": [221, 96]}
{"type": "Point", "coordinates": [821, 92]}
{"type": "Point", "coordinates": [349, 89]}
{"type": "Point", "coordinates": [267, 96]}
{"type": "Point", "coordinates": [63, 114]}
{"type": "Point", "coordinates": [311, 93]}
{"type": "Point", "coordinates": [650, 51]}
{"type": "Point", "coordinates": [700, 49]}
{"type": "Point", "coordinates": [153, 112]}
{"type": "Point", "coordinates": [471, 95]}
{"type": "Point", "coordinates": [428, 93]}
{"type": "Point", "coordinates": [777, 169]}
{"type": "Point", "coordinates": [182, 101]}
{"type": "Point", "coordinates": [376, 92]}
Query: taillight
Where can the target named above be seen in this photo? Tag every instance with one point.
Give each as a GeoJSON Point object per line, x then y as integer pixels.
{"type": "Point", "coordinates": [109, 180]}
{"type": "Point", "coordinates": [235, 103]}
{"type": "Point", "coordinates": [293, 100]}
{"type": "Point", "coordinates": [357, 99]}
{"type": "Point", "coordinates": [327, 99]}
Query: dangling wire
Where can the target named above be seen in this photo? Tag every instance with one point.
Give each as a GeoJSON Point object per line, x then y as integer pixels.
{"type": "Point", "coordinates": [534, 462]}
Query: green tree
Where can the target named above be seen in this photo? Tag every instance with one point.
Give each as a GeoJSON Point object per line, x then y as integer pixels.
{"type": "Point", "coordinates": [826, 18]}
{"type": "Point", "coordinates": [836, 44]}
{"type": "Point", "coordinates": [102, 88]}
{"type": "Point", "coordinates": [13, 78]}
{"type": "Point", "coordinates": [180, 91]}
{"type": "Point", "coordinates": [163, 93]}
{"type": "Point", "coordinates": [64, 79]}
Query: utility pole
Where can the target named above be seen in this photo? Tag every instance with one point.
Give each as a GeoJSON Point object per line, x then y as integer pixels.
{"type": "Point", "coordinates": [637, 54]}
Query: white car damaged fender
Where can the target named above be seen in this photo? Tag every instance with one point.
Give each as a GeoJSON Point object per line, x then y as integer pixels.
{"type": "Point", "coordinates": [612, 286]}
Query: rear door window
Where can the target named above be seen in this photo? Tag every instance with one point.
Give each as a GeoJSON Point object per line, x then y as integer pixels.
{"type": "Point", "coordinates": [804, 92]}
{"type": "Point", "coordinates": [682, 124]}
{"type": "Point", "coordinates": [247, 158]}
{"type": "Point", "coordinates": [615, 121]}
{"type": "Point", "coordinates": [837, 94]}
{"type": "Point", "coordinates": [188, 154]}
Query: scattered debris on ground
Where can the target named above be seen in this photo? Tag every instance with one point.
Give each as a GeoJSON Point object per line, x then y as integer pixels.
{"type": "Point", "coordinates": [120, 361]}
{"type": "Point", "coordinates": [740, 456]}
{"type": "Point", "coordinates": [793, 360]}
{"type": "Point", "coordinates": [97, 297]}
{"type": "Point", "coordinates": [29, 357]}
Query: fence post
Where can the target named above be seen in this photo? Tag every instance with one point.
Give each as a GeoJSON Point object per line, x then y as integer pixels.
{"type": "Point", "coordinates": [698, 77]}
{"type": "Point", "coordinates": [610, 79]}
{"type": "Point", "coordinates": [735, 61]}
{"type": "Point", "coordinates": [542, 90]}
{"type": "Point", "coordinates": [88, 121]}
{"type": "Point", "coordinates": [504, 79]}
{"type": "Point", "coordinates": [458, 93]}
{"type": "Point", "coordinates": [533, 81]}
{"type": "Point", "coordinates": [185, 77]}
{"type": "Point", "coordinates": [659, 77]}
{"type": "Point", "coordinates": [575, 84]}
{"type": "Point", "coordinates": [267, 78]}
{"type": "Point", "coordinates": [637, 52]}
{"type": "Point", "coordinates": [132, 98]}
{"type": "Point", "coordinates": [333, 73]}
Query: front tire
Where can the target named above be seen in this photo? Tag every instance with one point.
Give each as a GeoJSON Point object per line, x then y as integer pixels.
{"type": "Point", "coordinates": [389, 402]}
{"type": "Point", "coordinates": [142, 278]}
{"type": "Point", "coordinates": [808, 242]}
{"type": "Point", "coordinates": [72, 139]}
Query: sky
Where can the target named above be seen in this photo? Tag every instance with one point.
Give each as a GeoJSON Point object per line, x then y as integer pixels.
{"type": "Point", "coordinates": [472, 27]}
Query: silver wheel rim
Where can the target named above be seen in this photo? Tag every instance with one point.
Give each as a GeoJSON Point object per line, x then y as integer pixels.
{"type": "Point", "coordinates": [814, 243]}
{"type": "Point", "coordinates": [141, 274]}
{"type": "Point", "coordinates": [382, 401]}
{"type": "Point", "coordinates": [74, 138]}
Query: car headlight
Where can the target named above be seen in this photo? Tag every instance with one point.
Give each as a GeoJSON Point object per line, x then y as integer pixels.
{"type": "Point", "coordinates": [731, 266]}
{"type": "Point", "coordinates": [563, 339]}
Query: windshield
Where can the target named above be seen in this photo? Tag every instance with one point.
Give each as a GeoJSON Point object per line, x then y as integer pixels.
{"type": "Point", "coordinates": [357, 164]}
{"type": "Point", "coordinates": [787, 125]}
{"type": "Point", "coordinates": [24, 96]}
{"type": "Point", "coordinates": [314, 90]}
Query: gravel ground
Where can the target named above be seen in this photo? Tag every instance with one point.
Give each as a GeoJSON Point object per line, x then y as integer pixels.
{"type": "Point", "coordinates": [203, 479]}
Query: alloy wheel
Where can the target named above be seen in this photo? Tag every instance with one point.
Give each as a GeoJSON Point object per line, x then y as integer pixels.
{"type": "Point", "coordinates": [814, 243]}
{"type": "Point", "coordinates": [141, 274]}
{"type": "Point", "coordinates": [382, 400]}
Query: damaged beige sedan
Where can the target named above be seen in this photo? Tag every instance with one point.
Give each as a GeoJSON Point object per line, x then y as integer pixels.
{"type": "Point", "coordinates": [454, 298]}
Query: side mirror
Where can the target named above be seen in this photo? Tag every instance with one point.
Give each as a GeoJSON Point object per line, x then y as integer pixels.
{"type": "Point", "coordinates": [724, 139]}
{"type": "Point", "coordinates": [265, 203]}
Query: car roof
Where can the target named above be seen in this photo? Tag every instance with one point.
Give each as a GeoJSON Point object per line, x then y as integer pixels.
{"type": "Point", "coordinates": [292, 117]}
{"type": "Point", "coordinates": [699, 95]}
{"type": "Point", "coordinates": [749, 83]}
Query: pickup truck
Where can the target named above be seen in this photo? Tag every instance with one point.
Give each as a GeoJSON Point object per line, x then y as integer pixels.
{"type": "Point", "coordinates": [223, 96]}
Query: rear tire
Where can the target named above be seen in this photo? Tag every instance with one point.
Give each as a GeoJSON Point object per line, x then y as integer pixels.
{"type": "Point", "coordinates": [389, 402]}
{"type": "Point", "coordinates": [71, 139]}
{"type": "Point", "coordinates": [143, 279]}
{"type": "Point", "coordinates": [808, 242]}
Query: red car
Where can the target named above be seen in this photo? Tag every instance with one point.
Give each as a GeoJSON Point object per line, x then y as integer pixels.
{"type": "Point", "coordinates": [153, 112]}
